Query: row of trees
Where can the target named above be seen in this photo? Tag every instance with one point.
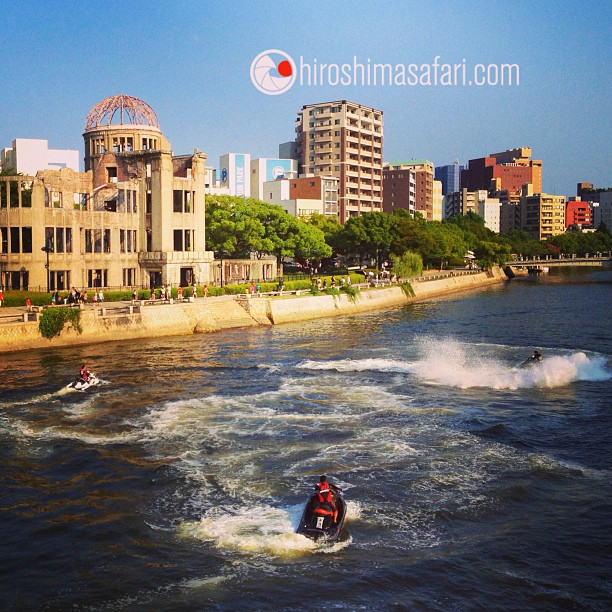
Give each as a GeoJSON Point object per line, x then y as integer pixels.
{"type": "Point", "coordinates": [238, 227]}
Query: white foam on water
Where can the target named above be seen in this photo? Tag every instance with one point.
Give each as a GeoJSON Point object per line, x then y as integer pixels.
{"type": "Point", "coordinates": [252, 530]}
{"type": "Point", "coordinates": [455, 364]}
{"type": "Point", "coordinates": [357, 365]}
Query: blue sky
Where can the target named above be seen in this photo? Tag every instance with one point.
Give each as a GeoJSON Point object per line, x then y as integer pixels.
{"type": "Point", "coordinates": [190, 61]}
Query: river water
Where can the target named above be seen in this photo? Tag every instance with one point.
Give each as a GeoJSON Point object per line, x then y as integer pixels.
{"type": "Point", "coordinates": [178, 483]}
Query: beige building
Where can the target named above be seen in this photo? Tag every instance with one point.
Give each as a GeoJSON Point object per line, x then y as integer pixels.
{"type": "Point", "coordinates": [134, 218]}
{"type": "Point", "coordinates": [437, 199]}
{"type": "Point", "coordinates": [542, 214]}
{"type": "Point", "coordinates": [343, 139]}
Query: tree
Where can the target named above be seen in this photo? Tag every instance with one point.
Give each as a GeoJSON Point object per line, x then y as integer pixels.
{"type": "Point", "coordinates": [408, 265]}
{"type": "Point", "coordinates": [238, 227]}
{"type": "Point", "coordinates": [489, 253]}
{"type": "Point", "coordinates": [370, 235]}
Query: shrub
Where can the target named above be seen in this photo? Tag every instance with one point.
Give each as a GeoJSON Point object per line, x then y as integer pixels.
{"type": "Point", "coordinates": [52, 320]}
{"type": "Point", "coordinates": [407, 289]}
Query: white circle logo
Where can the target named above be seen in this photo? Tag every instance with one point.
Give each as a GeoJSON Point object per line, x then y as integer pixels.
{"type": "Point", "coordinates": [278, 172]}
{"type": "Point", "coordinates": [273, 72]}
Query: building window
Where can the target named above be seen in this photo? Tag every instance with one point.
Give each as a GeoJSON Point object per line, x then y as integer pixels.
{"type": "Point", "coordinates": [97, 278]}
{"type": "Point", "coordinates": [14, 239]}
{"type": "Point", "coordinates": [112, 174]}
{"type": "Point", "coordinates": [26, 239]}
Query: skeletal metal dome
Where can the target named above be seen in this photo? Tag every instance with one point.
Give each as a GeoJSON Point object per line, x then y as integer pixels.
{"type": "Point", "coordinates": [121, 110]}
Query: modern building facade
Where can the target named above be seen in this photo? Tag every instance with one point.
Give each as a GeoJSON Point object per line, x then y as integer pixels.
{"type": "Point", "coordinates": [30, 155]}
{"type": "Point", "coordinates": [134, 218]}
{"type": "Point", "coordinates": [449, 176]}
{"type": "Point", "coordinates": [343, 139]}
{"type": "Point", "coordinates": [507, 171]}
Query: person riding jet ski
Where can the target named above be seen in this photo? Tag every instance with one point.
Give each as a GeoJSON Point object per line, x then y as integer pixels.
{"type": "Point", "coordinates": [325, 494]}
{"type": "Point", "coordinates": [84, 374]}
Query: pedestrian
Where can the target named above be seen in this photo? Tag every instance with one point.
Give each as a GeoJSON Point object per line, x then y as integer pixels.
{"type": "Point", "coordinates": [29, 304]}
{"type": "Point", "coordinates": [100, 296]}
{"type": "Point", "coordinates": [1, 296]}
{"type": "Point", "coordinates": [258, 288]}
{"type": "Point", "coordinates": [252, 288]}
{"type": "Point", "coordinates": [195, 291]}
{"type": "Point", "coordinates": [95, 297]}
{"type": "Point", "coordinates": [205, 290]}
{"type": "Point", "coordinates": [179, 293]}
{"type": "Point", "coordinates": [84, 296]}
{"type": "Point", "coordinates": [134, 294]}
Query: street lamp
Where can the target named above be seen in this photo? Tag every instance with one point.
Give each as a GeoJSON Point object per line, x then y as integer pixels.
{"type": "Point", "coordinates": [48, 248]}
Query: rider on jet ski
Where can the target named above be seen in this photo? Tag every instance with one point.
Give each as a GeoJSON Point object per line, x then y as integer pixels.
{"type": "Point", "coordinates": [84, 373]}
{"type": "Point", "coordinates": [325, 494]}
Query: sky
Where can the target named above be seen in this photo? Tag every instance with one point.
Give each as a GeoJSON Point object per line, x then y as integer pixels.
{"type": "Point", "coordinates": [190, 61]}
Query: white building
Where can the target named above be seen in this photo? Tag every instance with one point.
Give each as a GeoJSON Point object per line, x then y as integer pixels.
{"type": "Point", "coordinates": [265, 169]}
{"type": "Point", "coordinates": [31, 155]}
{"type": "Point", "coordinates": [234, 168]}
{"type": "Point", "coordinates": [490, 210]}
{"type": "Point", "coordinates": [212, 183]}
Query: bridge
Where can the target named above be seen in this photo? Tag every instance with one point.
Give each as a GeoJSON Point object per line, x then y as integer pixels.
{"type": "Point", "coordinates": [598, 260]}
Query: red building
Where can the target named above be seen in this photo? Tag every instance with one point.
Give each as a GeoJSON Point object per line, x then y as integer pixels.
{"type": "Point", "coordinates": [578, 213]}
{"type": "Point", "coordinates": [507, 171]}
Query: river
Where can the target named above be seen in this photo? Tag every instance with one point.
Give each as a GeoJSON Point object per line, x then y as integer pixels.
{"type": "Point", "coordinates": [177, 484]}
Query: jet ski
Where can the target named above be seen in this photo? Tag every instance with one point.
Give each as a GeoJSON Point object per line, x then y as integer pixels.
{"type": "Point", "coordinates": [81, 384]}
{"type": "Point", "coordinates": [317, 521]}
{"type": "Point", "coordinates": [533, 360]}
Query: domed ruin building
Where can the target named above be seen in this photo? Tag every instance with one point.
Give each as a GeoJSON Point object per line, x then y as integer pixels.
{"type": "Point", "coordinates": [134, 218]}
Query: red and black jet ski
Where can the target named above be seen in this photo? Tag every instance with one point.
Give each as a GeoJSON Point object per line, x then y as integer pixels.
{"type": "Point", "coordinates": [318, 522]}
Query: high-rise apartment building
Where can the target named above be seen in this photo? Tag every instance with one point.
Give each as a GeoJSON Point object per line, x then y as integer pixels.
{"type": "Point", "coordinates": [505, 171]}
{"type": "Point", "coordinates": [344, 139]}
{"type": "Point", "coordinates": [424, 176]}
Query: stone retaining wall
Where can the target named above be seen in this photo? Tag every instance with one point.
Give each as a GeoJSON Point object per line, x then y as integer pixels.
{"type": "Point", "coordinates": [207, 315]}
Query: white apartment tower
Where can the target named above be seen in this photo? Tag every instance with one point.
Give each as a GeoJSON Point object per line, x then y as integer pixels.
{"type": "Point", "coordinates": [343, 139]}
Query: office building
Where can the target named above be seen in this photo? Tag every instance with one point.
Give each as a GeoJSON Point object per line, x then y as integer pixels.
{"type": "Point", "coordinates": [343, 139]}
{"type": "Point", "coordinates": [507, 171]}
{"type": "Point", "coordinates": [449, 176]}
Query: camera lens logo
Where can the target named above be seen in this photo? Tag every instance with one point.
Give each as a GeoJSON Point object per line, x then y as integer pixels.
{"type": "Point", "coordinates": [273, 72]}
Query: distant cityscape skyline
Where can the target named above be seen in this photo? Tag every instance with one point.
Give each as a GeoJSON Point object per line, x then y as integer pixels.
{"type": "Point", "coordinates": [180, 63]}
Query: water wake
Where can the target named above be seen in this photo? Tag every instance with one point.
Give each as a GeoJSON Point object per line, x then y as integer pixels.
{"type": "Point", "coordinates": [456, 364]}
{"type": "Point", "coordinates": [256, 530]}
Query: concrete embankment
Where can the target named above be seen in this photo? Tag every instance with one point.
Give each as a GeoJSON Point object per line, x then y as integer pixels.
{"type": "Point", "coordinates": [146, 320]}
